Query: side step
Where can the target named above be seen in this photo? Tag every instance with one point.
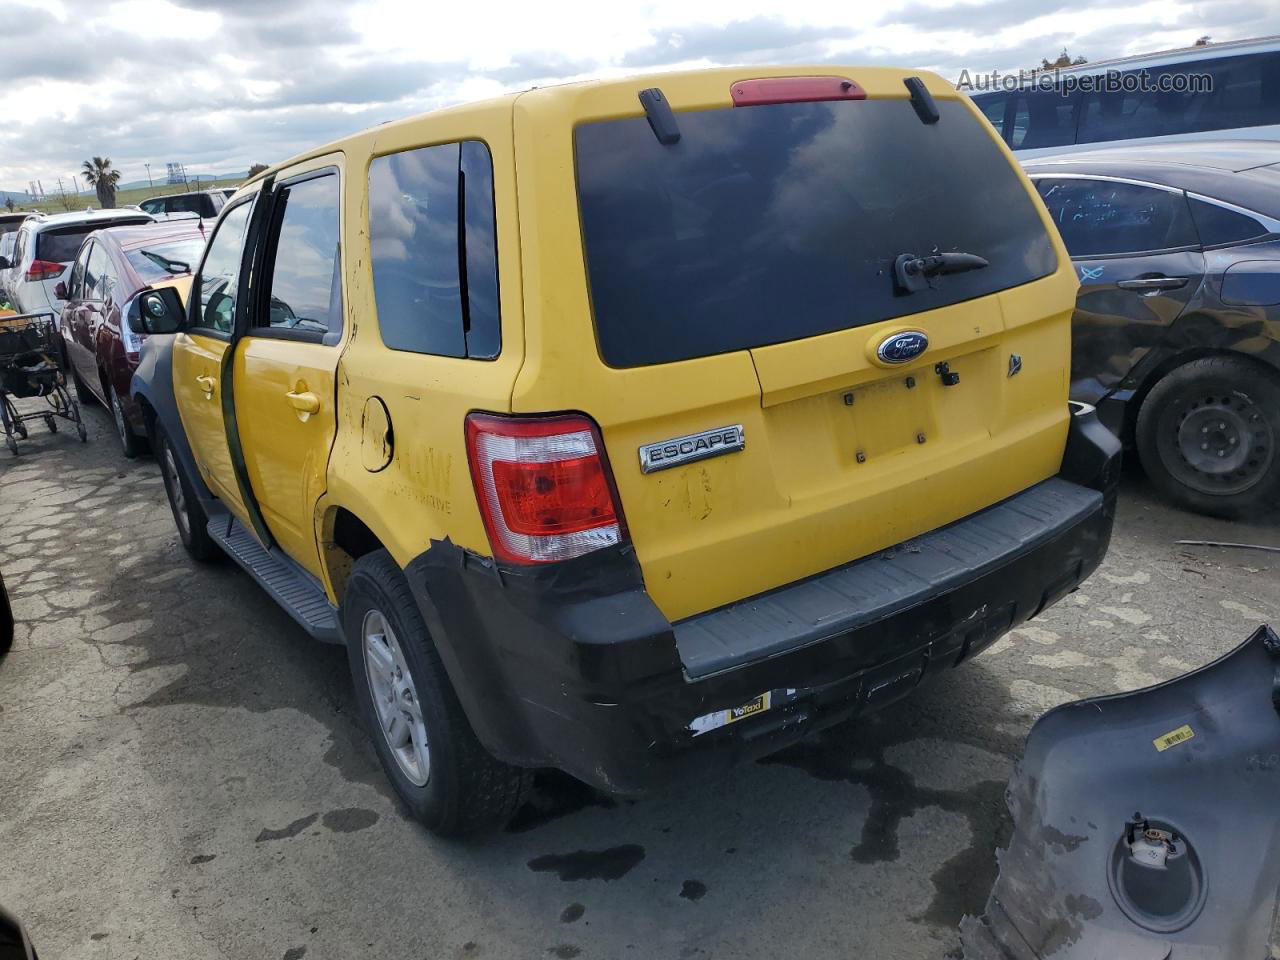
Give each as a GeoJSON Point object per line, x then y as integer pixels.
{"type": "Point", "coordinates": [291, 587]}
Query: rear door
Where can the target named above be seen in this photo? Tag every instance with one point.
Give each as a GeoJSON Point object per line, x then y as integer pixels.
{"type": "Point", "coordinates": [778, 402]}
{"type": "Point", "coordinates": [285, 363]}
{"type": "Point", "coordinates": [87, 313]}
{"type": "Point", "coordinates": [1138, 258]}
{"type": "Point", "coordinates": [199, 373]}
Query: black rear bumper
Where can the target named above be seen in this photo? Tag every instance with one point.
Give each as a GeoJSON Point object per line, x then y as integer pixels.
{"type": "Point", "coordinates": [573, 666]}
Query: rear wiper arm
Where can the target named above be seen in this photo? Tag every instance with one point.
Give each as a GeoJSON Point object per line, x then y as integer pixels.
{"type": "Point", "coordinates": [911, 273]}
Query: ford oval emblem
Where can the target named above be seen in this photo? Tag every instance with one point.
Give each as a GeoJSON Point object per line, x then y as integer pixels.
{"type": "Point", "coordinates": [902, 347]}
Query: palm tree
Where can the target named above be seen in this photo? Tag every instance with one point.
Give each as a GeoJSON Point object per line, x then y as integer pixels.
{"type": "Point", "coordinates": [103, 177]}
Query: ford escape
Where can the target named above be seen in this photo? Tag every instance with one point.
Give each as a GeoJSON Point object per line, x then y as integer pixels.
{"type": "Point", "coordinates": [631, 426]}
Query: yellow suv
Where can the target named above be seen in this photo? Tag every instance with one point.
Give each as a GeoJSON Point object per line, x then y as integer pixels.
{"type": "Point", "coordinates": [624, 426]}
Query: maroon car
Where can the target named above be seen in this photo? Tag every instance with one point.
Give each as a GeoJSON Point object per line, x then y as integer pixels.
{"type": "Point", "coordinates": [112, 268]}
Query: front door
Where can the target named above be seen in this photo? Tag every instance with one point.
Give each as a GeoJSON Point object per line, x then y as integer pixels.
{"type": "Point", "coordinates": [285, 364]}
{"type": "Point", "coordinates": [199, 353]}
{"type": "Point", "coordinates": [1137, 254]}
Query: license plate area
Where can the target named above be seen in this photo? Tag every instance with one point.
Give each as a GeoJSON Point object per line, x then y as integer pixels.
{"type": "Point", "coordinates": [892, 414]}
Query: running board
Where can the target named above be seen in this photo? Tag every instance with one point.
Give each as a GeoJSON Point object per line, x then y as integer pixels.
{"type": "Point", "coordinates": [300, 595]}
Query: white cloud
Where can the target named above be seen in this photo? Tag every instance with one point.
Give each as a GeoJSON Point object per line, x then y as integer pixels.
{"type": "Point", "coordinates": [221, 84]}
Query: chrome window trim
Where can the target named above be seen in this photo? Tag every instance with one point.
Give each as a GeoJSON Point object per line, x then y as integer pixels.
{"type": "Point", "coordinates": [1106, 178]}
{"type": "Point", "coordinates": [1272, 225]}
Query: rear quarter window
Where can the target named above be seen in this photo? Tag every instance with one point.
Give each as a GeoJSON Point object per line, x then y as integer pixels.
{"type": "Point", "coordinates": [772, 223]}
{"type": "Point", "coordinates": [432, 233]}
{"type": "Point", "coordinates": [1217, 225]}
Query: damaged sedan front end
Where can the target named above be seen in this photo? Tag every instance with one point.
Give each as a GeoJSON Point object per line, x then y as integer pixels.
{"type": "Point", "coordinates": [1145, 823]}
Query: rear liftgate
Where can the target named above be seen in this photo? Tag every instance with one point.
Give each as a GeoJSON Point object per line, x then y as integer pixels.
{"type": "Point", "coordinates": [1145, 824]}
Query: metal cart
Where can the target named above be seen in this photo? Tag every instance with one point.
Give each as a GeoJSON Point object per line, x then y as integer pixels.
{"type": "Point", "coordinates": [31, 366]}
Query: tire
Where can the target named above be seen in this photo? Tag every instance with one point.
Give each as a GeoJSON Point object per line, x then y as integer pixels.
{"type": "Point", "coordinates": [188, 515]}
{"type": "Point", "coordinates": [1208, 437]}
{"type": "Point", "coordinates": [454, 786]}
{"type": "Point", "coordinates": [130, 444]}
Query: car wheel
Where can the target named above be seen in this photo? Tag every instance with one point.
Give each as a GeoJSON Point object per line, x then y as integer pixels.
{"type": "Point", "coordinates": [188, 515]}
{"type": "Point", "coordinates": [1208, 435]}
{"type": "Point", "coordinates": [428, 750]}
{"type": "Point", "coordinates": [130, 445]}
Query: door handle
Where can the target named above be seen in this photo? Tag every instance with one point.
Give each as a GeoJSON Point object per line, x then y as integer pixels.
{"type": "Point", "coordinates": [207, 384]}
{"type": "Point", "coordinates": [304, 402]}
{"type": "Point", "coordinates": [1152, 283]}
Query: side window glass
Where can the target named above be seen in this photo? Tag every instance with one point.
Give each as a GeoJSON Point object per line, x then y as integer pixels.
{"type": "Point", "coordinates": [1101, 218]}
{"type": "Point", "coordinates": [484, 334]}
{"type": "Point", "coordinates": [1043, 118]}
{"type": "Point", "coordinates": [992, 108]}
{"type": "Point", "coordinates": [107, 274]}
{"type": "Point", "coordinates": [306, 270]}
{"type": "Point", "coordinates": [75, 288]}
{"type": "Point", "coordinates": [95, 273]}
{"type": "Point", "coordinates": [1241, 92]}
{"type": "Point", "coordinates": [216, 286]}
{"type": "Point", "coordinates": [413, 234]}
{"type": "Point", "coordinates": [152, 206]}
{"type": "Point", "coordinates": [1217, 225]}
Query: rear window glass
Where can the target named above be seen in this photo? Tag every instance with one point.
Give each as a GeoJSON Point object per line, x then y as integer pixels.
{"type": "Point", "coordinates": [60, 246]}
{"type": "Point", "coordinates": [160, 261]}
{"type": "Point", "coordinates": [772, 223]}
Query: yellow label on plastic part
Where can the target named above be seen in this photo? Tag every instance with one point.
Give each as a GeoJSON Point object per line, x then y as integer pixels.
{"type": "Point", "coordinates": [758, 705]}
{"type": "Point", "coordinates": [1174, 737]}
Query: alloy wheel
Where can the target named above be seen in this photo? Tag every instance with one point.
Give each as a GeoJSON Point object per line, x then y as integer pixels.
{"type": "Point", "coordinates": [395, 699]}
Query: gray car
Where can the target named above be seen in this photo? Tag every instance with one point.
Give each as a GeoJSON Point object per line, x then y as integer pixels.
{"type": "Point", "coordinates": [1176, 332]}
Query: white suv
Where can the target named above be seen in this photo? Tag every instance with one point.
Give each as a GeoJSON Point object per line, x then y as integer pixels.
{"type": "Point", "coordinates": [46, 246]}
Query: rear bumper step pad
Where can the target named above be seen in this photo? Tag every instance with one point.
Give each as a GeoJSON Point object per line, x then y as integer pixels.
{"type": "Point", "coordinates": [882, 584]}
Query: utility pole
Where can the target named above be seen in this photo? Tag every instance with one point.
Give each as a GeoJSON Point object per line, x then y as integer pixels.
{"type": "Point", "coordinates": [149, 183]}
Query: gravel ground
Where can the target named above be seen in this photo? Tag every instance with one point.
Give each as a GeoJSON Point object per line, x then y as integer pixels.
{"type": "Point", "coordinates": [183, 775]}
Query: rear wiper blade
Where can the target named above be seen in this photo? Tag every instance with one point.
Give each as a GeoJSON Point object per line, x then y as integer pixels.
{"type": "Point", "coordinates": [912, 274]}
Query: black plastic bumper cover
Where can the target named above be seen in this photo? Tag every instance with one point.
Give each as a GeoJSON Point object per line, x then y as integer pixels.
{"type": "Point", "coordinates": [573, 666]}
{"type": "Point", "coordinates": [1145, 823]}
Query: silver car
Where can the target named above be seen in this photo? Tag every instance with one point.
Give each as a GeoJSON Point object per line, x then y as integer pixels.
{"type": "Point", "coordinates": [46, 246]}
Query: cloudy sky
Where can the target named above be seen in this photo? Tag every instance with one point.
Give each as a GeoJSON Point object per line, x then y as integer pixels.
{"type": "Point", "coordinates": [221, 84]}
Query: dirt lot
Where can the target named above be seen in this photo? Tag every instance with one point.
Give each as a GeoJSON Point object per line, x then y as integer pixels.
{"type": "Point", "coordinates": [182, 776]}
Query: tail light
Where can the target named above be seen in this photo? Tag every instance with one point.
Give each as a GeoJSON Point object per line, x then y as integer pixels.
{"type": "Point", "coordinates": [544, 487]}
{"type": "Point", "coordinates": [132, 342]}
{"type": "Point", "coordinates": [44, 270]}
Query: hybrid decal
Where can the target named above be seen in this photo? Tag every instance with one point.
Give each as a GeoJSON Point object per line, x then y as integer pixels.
{"type": "Point", "coordinates": [1091, 273]}
{"type": "Point", "coordinates": [902, 347]}
{"type": "Point", "coordinates": [697, 446]}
